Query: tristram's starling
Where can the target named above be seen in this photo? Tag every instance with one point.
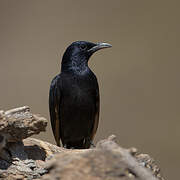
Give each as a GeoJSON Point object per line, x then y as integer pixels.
{"type": "Point", "coordinates": [74, 97]}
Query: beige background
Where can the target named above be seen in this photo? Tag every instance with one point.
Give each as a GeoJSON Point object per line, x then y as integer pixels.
{"type": "Point", "coordinates": [138, 77]}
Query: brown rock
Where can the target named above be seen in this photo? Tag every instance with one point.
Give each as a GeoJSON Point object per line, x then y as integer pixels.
{"type": "Point", "coordinates": [27, 159]}
{"type": "Point", "coordinates": [18, 124]}
{"type": "Point", "coordinates": [108, 161]}
{"type": "Point", "coordinates": [36, 159]}
{"type": "Point", "coordinates": [30, 158]}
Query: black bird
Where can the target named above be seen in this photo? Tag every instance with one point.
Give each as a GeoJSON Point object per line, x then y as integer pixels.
{"type": "Point", "coordinates": [74, 97]}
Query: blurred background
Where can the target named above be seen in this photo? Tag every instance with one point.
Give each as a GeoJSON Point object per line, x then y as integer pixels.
{"type": "Point", "coordinates": [138, 77]}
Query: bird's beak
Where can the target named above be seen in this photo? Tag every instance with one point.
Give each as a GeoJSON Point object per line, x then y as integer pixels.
{"type": "Point", "coordinates": [99, 46]}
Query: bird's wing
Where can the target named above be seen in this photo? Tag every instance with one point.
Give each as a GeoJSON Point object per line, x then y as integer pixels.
{"type": "Point", "coordinates": [54, 107]}
{"type": "Point", "coordinates": [97, 109]}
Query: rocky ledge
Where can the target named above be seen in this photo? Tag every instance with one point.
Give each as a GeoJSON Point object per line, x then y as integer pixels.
{"type": "Point", "coordinates": [22, 157]}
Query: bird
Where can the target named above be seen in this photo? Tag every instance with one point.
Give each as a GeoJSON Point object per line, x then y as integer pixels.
{"type": "Point", "coordinates": [74, 100]}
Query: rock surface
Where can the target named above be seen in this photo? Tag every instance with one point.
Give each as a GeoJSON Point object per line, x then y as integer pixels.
{"type": "Point", "coordinates": [108, 161]}
{"type": "Point", "coordinates": [18, 124]}
{"type": "Point", "coordinates": [26, 159]}
{"type": "Point", "coordinates": [31, 158]}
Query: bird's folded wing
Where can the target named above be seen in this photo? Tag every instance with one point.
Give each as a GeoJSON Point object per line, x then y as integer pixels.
{"type": "Point", "coordinates": [97, 109]}
{"type": "Point", "coordinates": [54, 107]}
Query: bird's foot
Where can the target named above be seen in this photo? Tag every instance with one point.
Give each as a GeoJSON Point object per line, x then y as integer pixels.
{"type": "Point", "coordinates": [66, 147]}
{"type": "Point", "coordinates": [92, 144]}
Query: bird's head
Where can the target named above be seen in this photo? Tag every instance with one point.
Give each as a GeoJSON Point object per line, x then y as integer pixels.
{"type": "Point", "coordinates": [79, 52]}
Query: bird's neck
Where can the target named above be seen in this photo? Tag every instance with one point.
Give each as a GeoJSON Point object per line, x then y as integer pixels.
{"type": "Point", "coordinates": [77, 66]}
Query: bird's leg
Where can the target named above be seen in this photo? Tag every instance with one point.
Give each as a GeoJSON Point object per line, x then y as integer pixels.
{"type": "Point", "coordinates": [90, 142]}
{"type": "Point", "coordinates": [65, 146]}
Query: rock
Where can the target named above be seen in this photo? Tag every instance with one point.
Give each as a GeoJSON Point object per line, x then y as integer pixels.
{"type": "Point", "coordinates": [36, 159]}
{"type": "Point", "coordinates": [18, 124]}
{"type": "Point", "coordinates": [148, 162]}
{"type": "Point", "coordinates": [28, 158]}
{"type": "Point", "coordinates": [107, 161]}
{"type": "Point", "coordinates": [37, 149]}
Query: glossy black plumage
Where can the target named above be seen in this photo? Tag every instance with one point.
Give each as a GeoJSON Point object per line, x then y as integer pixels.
{"type": "Point", "coordinates": [74, 97]}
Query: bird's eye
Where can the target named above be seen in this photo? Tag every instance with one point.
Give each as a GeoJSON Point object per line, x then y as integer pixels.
{"type": "Point", "coordinates": [83, 46]}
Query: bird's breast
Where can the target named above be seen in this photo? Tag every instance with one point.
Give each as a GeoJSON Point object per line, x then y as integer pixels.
{"type": "Point", "coordinates": [80, 96]}
{"type": "Point", "coordinates": [79, 91]}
